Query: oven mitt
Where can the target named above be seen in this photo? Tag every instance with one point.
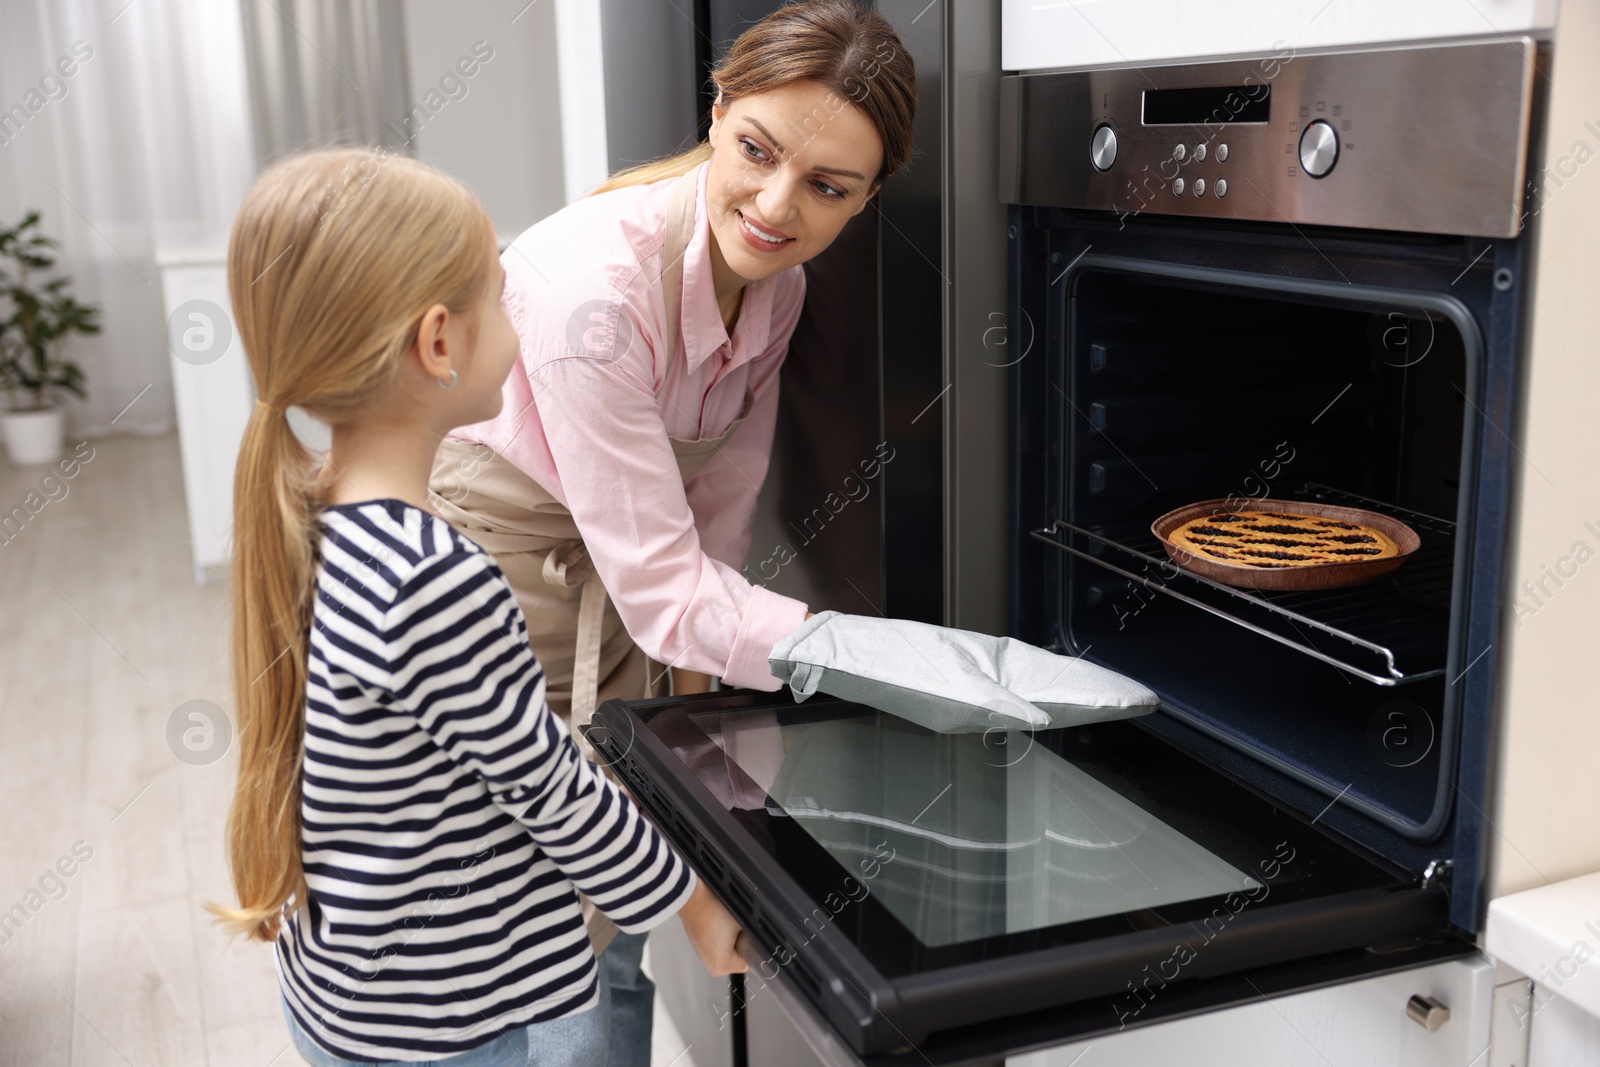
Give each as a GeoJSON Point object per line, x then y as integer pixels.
{"type": "Point", "coordinates": [950, 681]}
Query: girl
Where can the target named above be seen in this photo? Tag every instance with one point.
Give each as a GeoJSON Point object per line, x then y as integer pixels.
{"type": "Point", "coordinates": [410, 820]}
{"type": "Point", "coordinates": [617, 484]}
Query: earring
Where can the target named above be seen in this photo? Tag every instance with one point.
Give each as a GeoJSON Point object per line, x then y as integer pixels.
{"type": "Point", "coordinates": [454, 378]}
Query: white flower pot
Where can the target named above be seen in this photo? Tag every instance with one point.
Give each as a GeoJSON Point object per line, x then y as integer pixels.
{"type": "Point", "coordinates": [33, 436]}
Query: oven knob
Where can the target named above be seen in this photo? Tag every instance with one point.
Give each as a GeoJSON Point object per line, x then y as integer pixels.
{"type": "Point", "coordinates": [1319, 149]}
{"type": "Point", "coordinates": [1103, 148]}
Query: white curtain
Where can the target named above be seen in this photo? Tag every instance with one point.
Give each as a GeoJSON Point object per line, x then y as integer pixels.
{"type": "Point", "coordinates": [325, 72]}
{"type": "Point", "coordinates": [144, 149]}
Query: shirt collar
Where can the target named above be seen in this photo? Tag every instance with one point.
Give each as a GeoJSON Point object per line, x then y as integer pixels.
{"type": "Point", "coordinates": [700, 319]}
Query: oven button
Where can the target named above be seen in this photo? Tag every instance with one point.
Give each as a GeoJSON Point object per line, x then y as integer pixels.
{"type": "Point", "coordinates": [1177, 186]}
{"type": "Point", "coordinates": [1200, 152]}
{"type": "Point", "coordinates": [1180, 153]}
{"type": "Point", "coordinates": [1221, 187]}
{"type": "Point", "coordinates": [1319, 149]}
{"type": "Point", "coordinates": [1222, 153]}
{"type": "Point", "coordinates": [1199, 187]}
{"type": "Point", "coordinates": [1103, 148]}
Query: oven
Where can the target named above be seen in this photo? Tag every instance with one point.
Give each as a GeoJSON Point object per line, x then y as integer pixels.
{"type": "Point", "coordinates": [1256, 312]}
{"type": "Point", "coordinates": [1253, 279]}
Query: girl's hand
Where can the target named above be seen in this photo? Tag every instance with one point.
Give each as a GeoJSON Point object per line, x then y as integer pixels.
{"type": "Point", "coordinates": [712, 932]}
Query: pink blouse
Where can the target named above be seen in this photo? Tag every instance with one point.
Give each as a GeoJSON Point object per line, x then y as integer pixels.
{"type": "Point", "coordinates": [582, 418]}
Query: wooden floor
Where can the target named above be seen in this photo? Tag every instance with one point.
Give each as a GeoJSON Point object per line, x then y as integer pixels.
{"type": "Point", "coordinates": [104, 635]}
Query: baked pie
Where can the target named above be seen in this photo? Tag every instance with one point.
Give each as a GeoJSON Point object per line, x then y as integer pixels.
{"type": "Point", "coordinates": [1272, 540]}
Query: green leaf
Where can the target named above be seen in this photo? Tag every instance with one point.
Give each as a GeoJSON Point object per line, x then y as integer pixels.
{"type": "Point", "coordinates": [41, 313]}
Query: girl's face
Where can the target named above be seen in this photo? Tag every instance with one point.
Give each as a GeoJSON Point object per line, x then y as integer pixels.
{"type": "Point", "coordinates": [788, 169]}
{"type": "Point", "coordinates": [492, 342]}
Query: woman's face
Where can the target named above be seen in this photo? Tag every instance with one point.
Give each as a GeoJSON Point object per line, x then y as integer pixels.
{"type": "Point", "coordinates": [788, 169]}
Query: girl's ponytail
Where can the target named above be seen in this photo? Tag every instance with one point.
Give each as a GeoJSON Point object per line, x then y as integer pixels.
{"type": "Point", "coordinates": [333, 259]}
{"type": "Point", "coordinates": [273, 570]}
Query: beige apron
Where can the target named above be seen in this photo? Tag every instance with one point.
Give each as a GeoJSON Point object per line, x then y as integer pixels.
{"type": "Point", "coordinates": [573, 627]}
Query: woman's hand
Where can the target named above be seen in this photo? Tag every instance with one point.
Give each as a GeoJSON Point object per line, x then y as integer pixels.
{"type": "Point", "coordinates": [712, 932]}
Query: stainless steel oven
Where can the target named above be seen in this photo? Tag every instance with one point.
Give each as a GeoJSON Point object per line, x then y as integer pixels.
{"type": "Point", "coordinates": [1278, 315]}
{"type": "Point", "coordinates": [1301, 275]}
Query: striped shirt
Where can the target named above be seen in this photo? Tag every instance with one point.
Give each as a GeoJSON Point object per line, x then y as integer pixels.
{"type": "Point", "coordinates": [447, 815]}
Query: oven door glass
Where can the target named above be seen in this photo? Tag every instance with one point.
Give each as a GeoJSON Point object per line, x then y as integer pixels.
{"type": "Point", "coordinates": [950, 879]}
{"type": "Point", "coordinates": [969, 836]}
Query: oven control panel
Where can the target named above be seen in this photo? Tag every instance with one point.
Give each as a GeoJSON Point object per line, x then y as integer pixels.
{"type": "Point", "coordinates": [1429, 139]}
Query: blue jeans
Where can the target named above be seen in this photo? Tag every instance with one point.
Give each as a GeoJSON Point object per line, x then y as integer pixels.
{"type": "Point", "coordinates": [574, 1041]}
{"type": "Point", "coordinates": [632, 1000]}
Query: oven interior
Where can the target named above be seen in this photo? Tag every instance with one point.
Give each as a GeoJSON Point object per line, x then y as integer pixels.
{"type": "Point", "coordinates": [1172, 390]}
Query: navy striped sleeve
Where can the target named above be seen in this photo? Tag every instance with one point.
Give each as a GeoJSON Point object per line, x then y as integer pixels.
{"type": "Point", "coordinates": [456, 648]}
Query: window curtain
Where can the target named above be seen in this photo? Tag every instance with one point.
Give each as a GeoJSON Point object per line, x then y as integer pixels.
{"type": "Point", "coordinates": [127, 126]}
{"type": "Point", "coordinates": [325, 72]}
{"type": "Point", "coordinates": [136, 128]}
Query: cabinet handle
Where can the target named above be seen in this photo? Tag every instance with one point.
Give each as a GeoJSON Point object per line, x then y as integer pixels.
{"type": "Point", "coordinates": [1427, 1012]}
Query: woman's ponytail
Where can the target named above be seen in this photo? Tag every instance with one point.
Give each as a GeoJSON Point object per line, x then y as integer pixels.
{"type": "Point", "coordinates": [656, 170]}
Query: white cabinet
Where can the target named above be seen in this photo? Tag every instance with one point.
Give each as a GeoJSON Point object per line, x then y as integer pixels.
{"type": "Point", "coordinates": [211, 387]}
{"type": "Point", "coordinates": [697, 1002]}
{"type": "Point", "coordinates": [214, 394]}
{"type": "Point", "coordinates": [1551, 934]}
{"type": "Point", "coordinates": [1070, 34]}
{"type": "Point", "coordinates": [1358, 1024]}
{"type": "Point", "coordinates": [1561, 1034]}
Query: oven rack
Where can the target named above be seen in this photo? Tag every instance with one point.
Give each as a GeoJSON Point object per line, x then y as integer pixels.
{"type": "Point", "coordinates": [1389, 632]}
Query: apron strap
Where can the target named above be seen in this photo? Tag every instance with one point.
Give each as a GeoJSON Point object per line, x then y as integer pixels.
{"type": "Point", "coordinates": [566, 565]}
{"type": "Point", "coordinates": [586, 664]}
{"type": "Point", "coordinates": [569, 571]}
{"type": "Point", "coordinates": [679, 230]}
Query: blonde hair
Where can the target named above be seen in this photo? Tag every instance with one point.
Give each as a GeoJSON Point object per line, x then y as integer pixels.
{"type": "Point", "coordinates": [333, 259]}
{"type": "Point", "coordinates": [848, 49]}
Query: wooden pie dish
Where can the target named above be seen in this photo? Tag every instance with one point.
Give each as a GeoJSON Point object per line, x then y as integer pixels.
{"type": "Point", "coordinates": [1308, 576]}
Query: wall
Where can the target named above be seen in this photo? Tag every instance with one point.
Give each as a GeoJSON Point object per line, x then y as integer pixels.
{"type": "Point", "coordinates": [502, 135]}
{"type": "Point", "coordinates": [1548, 822]}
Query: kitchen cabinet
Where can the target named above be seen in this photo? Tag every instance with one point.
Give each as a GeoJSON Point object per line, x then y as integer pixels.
{"type": "Point", "coordinates": [214, 396]}
{"type": "Point", "coordinates": [1359, 1024]}
{"type": "Point", "coordinates": [211, 387]}
{"type": "Point", "coordinates": [697, 1002]}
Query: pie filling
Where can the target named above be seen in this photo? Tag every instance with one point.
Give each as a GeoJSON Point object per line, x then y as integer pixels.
{"type": "Point", "coordinates": [1275, 539]}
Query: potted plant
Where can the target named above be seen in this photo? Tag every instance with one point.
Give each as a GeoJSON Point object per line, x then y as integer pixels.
{"type": "Point", "coordinates": [42, 313]}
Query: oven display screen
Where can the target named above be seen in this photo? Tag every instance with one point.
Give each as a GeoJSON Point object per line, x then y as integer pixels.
{"type": "Point", "coordinates": [1218, 105]}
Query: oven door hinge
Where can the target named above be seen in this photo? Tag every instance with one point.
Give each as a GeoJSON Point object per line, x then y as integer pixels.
{"type": "Point", "coordinates": [1437, 874]}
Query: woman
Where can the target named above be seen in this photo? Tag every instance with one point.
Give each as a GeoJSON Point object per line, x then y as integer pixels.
{"type": "Point", "coordinates": [617, 486]}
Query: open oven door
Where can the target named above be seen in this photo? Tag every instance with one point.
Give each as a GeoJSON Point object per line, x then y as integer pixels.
{"type": "Point", "coordinates": [949, 897]}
